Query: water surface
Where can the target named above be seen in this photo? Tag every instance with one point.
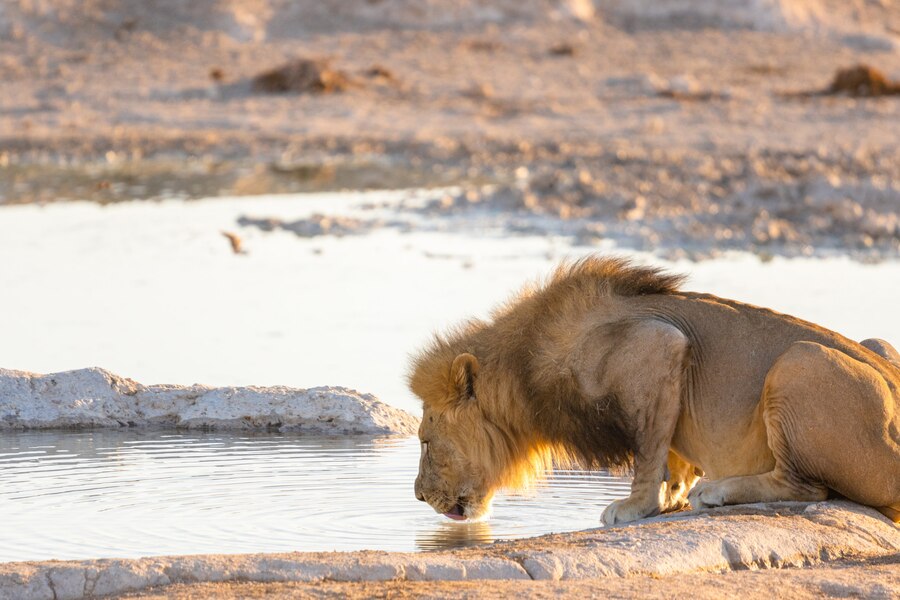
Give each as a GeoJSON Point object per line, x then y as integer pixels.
{"type": "Point", "coordinates": [127, 494]}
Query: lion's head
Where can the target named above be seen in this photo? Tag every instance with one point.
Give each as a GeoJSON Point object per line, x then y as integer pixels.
{"type": "Point", "coordinates": [468, 447]}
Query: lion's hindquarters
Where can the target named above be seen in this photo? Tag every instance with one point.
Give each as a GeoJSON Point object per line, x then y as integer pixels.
{"type": "Point", "coordinates": [883, 349]}
{"type": "Point", "coordinates": [833, 420]}
{"type": "Point", "coordinates": [682, 478]}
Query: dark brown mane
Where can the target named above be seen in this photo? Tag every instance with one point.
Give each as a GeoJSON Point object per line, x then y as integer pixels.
{"type": "Point", "coordinates": [589, 433]}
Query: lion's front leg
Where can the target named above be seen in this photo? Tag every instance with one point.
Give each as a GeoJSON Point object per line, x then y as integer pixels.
{"type": "Point", "coordinates": [674, 490]}
{"type": "Point", "coordinates": [647, 499]}
{"type": "Point", "coordinates": [653, 399]}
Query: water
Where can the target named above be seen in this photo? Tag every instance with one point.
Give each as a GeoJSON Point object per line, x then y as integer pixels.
{"type": "Point", "coordinates": [70, 495]}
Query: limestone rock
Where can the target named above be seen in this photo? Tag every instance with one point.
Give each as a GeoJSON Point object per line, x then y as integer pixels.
{"type": "Point", "coordinates": [761, 536]}
{"type": "Point", "coordinates": [97, 398]}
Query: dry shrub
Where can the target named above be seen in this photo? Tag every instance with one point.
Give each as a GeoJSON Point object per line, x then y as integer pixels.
{"type": "Point", "coordinates": [862, 80]}
{"type": "Point", "coordinates": [562, 49]}
{"type": "Point", "coordinates": [302, 76]}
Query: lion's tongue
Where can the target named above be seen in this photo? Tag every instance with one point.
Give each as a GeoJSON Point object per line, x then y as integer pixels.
{"type": "Point", "coordinates": [455, 514]}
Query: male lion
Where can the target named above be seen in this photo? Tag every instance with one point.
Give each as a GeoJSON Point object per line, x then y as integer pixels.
{"type": "Point", "coordinates": [610, 365]}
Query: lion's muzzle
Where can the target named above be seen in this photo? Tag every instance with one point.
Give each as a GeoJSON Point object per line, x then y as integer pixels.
{"type": "Point", "coordinates": [457, 513]}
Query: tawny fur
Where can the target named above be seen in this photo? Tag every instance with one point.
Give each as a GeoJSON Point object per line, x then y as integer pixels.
{"type": "Point", "coordinates": [609, 365]}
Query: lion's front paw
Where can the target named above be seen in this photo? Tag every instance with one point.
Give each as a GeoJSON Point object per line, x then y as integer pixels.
{"type": "Point", "coordinates": [706, 494]}
{"type": "Point", "coordinates": [627, 510]}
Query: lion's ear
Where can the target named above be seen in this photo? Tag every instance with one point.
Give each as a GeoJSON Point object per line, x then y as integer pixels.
{"type": "Point", "coordinates": [462, 376]}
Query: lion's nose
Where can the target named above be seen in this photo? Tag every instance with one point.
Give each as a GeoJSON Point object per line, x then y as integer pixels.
{"type": "Point", "coordinates": [418, 489]}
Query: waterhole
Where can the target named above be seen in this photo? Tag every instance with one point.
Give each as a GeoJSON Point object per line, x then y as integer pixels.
{"type": "Point", "coordinates": [328, 310]}
{"type": "Point", "coordinates": [76, 495]}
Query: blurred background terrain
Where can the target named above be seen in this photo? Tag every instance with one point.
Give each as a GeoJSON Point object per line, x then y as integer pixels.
{"type": "Point", "coordinates": [680, 126]}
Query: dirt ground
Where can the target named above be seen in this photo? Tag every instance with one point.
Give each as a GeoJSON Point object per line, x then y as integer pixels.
{"type": "Point", "coordinates": [688, 128]}
{"type": "Point", "coordinates": [876, 579]}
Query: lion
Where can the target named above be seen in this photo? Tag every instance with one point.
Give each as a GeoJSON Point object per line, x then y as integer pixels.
{"type": "Point", "coordinates": [610, 365]}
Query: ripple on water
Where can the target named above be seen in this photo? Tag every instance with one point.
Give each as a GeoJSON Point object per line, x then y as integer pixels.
{"type": "Point", "coordinates": [127, 493]}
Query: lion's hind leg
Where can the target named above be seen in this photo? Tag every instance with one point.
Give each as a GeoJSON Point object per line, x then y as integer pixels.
{"type": "Point", "coordinates": [774, 486]}
{"type": "Point", "coordinates": [682, 477]}
{"type": "Point", "coordinates": [831, 422]}
{"type": "Point", "coordinates": [891, 512]}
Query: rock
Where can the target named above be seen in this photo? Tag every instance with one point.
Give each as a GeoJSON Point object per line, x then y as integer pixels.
{"type": "Point", "coordinates": [777, 535]}
{"type": "Point", "coordinates": [759, 536]}
{"type": "Point", "coordinates": [68, 583]}
{"type": "Point", "coordinates": [97, 398]}
{"type": "Point", "coordinates": [684, 85]}
{"type": "Point", "coordinates": [561, 49]}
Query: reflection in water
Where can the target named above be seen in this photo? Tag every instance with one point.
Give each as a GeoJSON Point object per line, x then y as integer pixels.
{"type": "Point", "coordinates": [131, 493]}
{"type": "Point", "coordinates": [452, 534]}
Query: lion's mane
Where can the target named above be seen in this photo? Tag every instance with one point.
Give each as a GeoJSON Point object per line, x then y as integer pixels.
{"type": "Point", "coordinates": [532, 414]}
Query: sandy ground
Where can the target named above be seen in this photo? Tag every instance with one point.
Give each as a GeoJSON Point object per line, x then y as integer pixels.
{"type": "Point", "coordinates": [673, 127]}
{"type": "Point", "coordinates": [878, 578]}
